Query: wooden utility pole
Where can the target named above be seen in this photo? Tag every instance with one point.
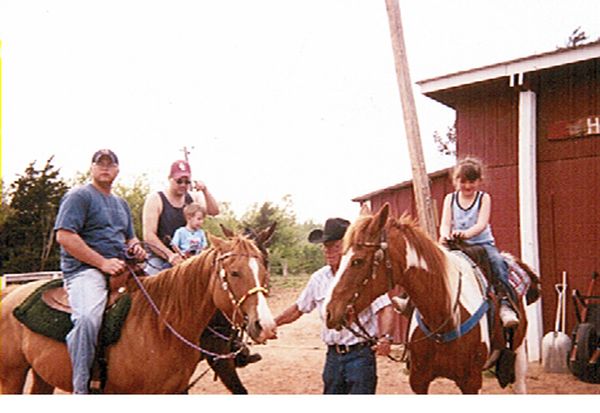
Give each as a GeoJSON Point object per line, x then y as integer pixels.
{"type": "Point", "coordinates": [421, 188]}
{"type": "Point", "coordinates": [186, 152]}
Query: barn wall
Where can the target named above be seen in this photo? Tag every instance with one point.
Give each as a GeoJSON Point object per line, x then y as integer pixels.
{"type": "Point", "coordinates": [487, 128]}
{"type": "Point", "coordinates": [568, 181]}
{"type": "Point", "coordinates": [568, 170]}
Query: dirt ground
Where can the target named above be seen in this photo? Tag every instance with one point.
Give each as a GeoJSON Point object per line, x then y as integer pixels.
{"type": "Point", "coordinates": [293, 363]}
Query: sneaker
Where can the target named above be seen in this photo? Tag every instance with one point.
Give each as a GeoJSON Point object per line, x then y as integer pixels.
{"type": "Point", "coordinates": [508, 316]}
{"type": "Point", "coordinates": [400, 304]}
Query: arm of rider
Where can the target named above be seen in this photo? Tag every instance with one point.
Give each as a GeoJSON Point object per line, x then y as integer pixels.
{"type": "Point", "coordinates": [483, 219]}
{"type": "Point", "coordinates": [212, 207]}
{"type": "Point", "coordinates": [150, 214]}
{"type": "Point", "coordinates": [75, 246]}
{"type": "Point", "coordinates": [135, 248]}
{"type": "Point", "coordinates": [384, 343]}
{"type": "Point", "coordinates": [446, 221]}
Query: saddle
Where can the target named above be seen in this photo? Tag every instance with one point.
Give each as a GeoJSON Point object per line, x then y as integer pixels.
{"type": "Point", "coordinates": [46, 311]}
{"type": "Point", "coordinates": [58, 299]}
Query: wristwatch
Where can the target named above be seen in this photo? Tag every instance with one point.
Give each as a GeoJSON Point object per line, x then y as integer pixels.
{"type": "Point", "coordinates": [387, 337]}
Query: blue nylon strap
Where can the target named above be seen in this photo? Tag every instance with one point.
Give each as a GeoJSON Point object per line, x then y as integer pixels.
{"type": "Point", "coordinates": [454, 334]}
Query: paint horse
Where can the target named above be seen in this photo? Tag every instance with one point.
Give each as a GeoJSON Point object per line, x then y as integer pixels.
{"type": "Point", "coordinates": [149, 357]}
{"type": "Point", "coordinates": [450, 334]}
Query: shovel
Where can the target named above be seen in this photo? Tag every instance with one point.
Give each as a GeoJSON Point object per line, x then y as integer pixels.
{"type": "Point", "coordinates": [556, 344]}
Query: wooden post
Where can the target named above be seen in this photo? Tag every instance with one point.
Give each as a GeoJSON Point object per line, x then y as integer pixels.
{"type": "Point", "coordinates": [421, 188]}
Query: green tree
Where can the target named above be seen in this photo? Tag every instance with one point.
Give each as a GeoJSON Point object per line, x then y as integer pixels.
{"type": "Point", "coordinates": [446, 144]}
{"type": "Point", "coordinates": [27, 238]}
{"type": "Point", "coordinates": [290, 252]}
{"type": "Point", "coordinates": [135, 195]}
{"type": "Point", "coordinates": [5, 210]}
{"type": "Point", "coordinates": [226, 218]}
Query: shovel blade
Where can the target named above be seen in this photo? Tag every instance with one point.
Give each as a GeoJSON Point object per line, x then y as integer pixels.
{"type": "Point", "coordinates": [555, 350]}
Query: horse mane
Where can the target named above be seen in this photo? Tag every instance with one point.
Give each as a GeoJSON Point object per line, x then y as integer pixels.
{"type": "Point", "coordinates": [436, 279]}
{"type": "Point", "coordinates": [188, 281]}
{"type": "Point", "coordinates": [427, 249]}
{"type": "Point", "coordinates": [353, 231]}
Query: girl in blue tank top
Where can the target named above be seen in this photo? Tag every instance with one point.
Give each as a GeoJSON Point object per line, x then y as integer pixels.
{"type": "Point", "coordinates": [466, 215]}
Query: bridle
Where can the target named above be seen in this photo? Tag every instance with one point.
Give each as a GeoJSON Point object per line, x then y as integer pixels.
{"type": "Point", "coordinates": [382, 255]}
{"type": "Point", "coordinates": [130, 263]}
{"type": "Point", "coordinates": [223, 275]}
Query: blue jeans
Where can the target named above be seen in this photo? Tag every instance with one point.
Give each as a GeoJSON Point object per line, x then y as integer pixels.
{"type": "Point", "coordinates": [350, 373]}
{"type": "Point", "coordinates": [87, 296]}
{"type": "Point", "coordinates": [499, 266]}
{"type": "Point", "coordinates": [155, 264]}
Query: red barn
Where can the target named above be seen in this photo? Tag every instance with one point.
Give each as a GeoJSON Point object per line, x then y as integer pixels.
{"type": "Point", "coordinates": [535, 123]}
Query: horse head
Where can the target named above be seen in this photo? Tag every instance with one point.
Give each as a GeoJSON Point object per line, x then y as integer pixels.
{"type": "Point", "coordinates": [240, 288]}
{"type": "Point", "coordinates": [363, 271]}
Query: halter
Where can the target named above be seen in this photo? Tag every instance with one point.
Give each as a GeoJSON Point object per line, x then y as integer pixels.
{"type": "Point", "coordinates": [226, 287]}
{"type": "Point", "coordinates": [129, 260]}
{"type": "Point", "coordinates": [381, 254]}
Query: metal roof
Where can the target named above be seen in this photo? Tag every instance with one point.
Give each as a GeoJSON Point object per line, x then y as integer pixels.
{"type": "Point", "coordinates": [514, 69]}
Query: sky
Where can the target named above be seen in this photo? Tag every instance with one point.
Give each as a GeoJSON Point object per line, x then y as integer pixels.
{"type": "Point", "coordinates": [272, 98]}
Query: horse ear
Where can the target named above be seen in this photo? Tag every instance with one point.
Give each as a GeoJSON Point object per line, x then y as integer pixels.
{"type": "Point", "coordinates": [380, 218]}
{"type": "Point", "coordinates": [266, 236]}
{"type": "Point", "coordinates": [364, 209]}
{"type": "Point", "coordinates": [226, 231]}
{"type": "Point", "coordinates": [219, 243]}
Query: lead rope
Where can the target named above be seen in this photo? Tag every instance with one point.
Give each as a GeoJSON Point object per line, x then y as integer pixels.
{"type": "Point", "coordinates": [170, 327]}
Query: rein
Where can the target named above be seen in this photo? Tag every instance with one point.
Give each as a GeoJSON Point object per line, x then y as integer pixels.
{"type": "Point", "coordinates": [225, 285]}
{"type": "Point", "coordinates": [380, 255]}
{"type": "Point", "coordinates": [435, 334]}
{"type": "Point", "coordinates": [170, 327]}
{"type": "Point", "coordinates": [237, 304]}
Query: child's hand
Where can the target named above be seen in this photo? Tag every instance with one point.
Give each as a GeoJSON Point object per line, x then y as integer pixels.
{"type": "Point", "coordinates": [458, 235]}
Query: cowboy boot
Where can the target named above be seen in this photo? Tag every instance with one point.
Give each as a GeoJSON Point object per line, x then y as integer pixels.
{"type": "Point", "coordinates": [507, 314]}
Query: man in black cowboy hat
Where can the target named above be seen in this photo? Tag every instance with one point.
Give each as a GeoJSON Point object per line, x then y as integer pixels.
{"type": "Point", "coordinates": [350, 366]}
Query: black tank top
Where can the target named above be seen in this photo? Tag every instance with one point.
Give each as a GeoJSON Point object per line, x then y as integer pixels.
{"type": "Point", "coordinates": [171, 218]}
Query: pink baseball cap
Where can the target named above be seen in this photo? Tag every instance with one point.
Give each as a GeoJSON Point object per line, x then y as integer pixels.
{"type": "Point", "coordinates": [180, 169]}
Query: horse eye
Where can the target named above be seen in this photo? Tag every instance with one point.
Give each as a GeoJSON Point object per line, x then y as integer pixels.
{"type": "Point", "coordinates": [235, 274]}
{"type": "Point", "coordinates": [357, 261]}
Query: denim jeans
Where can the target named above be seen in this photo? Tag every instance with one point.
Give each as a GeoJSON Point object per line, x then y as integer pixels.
{"type": "Point", "coordinates": [350, 373]}
{"type": "Point", "coordinates": [499, 266]}
{"type": "Point", "coordinates": [155, 264]}
{"type": "Point", "coordinates": [87, 296]}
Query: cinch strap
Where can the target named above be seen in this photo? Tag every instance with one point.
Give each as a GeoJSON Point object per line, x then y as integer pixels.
{"type": "Point", "coordinates": [454, 334]}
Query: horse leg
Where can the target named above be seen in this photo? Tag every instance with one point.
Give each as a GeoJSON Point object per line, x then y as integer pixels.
{"type": "Point", "coordinates": [13, 382]}
{"type": "Point", "coordinates": [419, 382]}
{"type": "Point", "coordinates": [225, 370]}
{"type": "Point", "coordinates": [40, 386]}
{"type": "Point", "coordinates": [471, 385]}
{"type": "Point", "coordinates": [520, 386]}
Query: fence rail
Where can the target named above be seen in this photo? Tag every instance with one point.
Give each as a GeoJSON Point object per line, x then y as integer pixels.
{"type": "Point", "coordinates": [22, 278]}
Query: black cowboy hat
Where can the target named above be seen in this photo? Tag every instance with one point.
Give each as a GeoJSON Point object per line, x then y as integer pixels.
{"type": "Point", "coordinates": [334, 230]}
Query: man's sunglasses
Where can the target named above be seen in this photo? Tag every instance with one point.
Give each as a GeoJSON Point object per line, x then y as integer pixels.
{"type": "Point", "coordinates": [182, 181]}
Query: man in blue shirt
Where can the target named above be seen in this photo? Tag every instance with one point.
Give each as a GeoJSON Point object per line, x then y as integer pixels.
{"type": "Point", "coordinates": [93, 228]}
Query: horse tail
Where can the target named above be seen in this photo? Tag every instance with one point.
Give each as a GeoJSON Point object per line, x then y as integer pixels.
{"type": "Point", "coordinates": [534, 291]}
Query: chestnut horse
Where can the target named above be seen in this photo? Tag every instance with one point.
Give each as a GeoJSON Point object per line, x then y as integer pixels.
{"type": "Point", "coordinates": [149, 358]}
{"type": "Point", "coordinates": [455, 339]}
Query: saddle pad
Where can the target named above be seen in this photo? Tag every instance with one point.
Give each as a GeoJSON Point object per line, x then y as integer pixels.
{"type": "Point", "coordinates": [36, 315]}
{"type": "Point", "coordinates": [518, 279]}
